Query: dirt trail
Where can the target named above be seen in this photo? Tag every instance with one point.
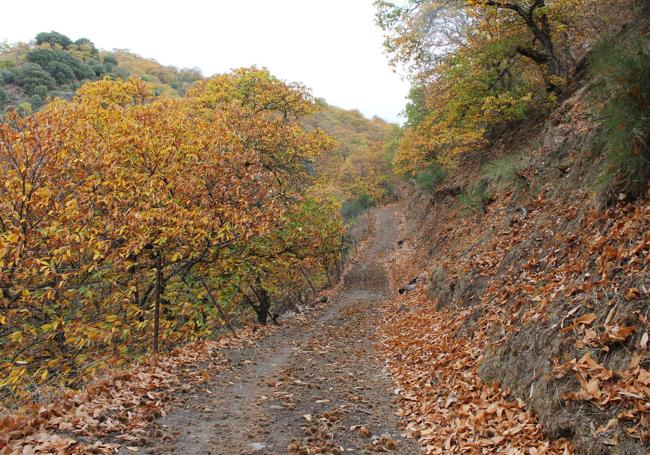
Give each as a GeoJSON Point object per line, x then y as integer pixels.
{"type": "Point", "coordinates": [305, 385]}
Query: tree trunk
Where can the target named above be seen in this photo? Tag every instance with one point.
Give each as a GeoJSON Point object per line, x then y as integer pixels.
{"type": "Point", "coordinates": [540, 28]}
{"type": "Point", "coordinates": [263, 310]}
{"type": "Point", "coordinates": [309, 282]}
{"type": "Point", "coordinates": [222, 313]}
{"type": "Point", "coordinates": [326, 264]}
{"type": "Point", "coordinates": [156, 316]}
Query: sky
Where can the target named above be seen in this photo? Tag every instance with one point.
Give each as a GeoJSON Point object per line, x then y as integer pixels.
{"type": "Point", "coordinates": [331, 46]}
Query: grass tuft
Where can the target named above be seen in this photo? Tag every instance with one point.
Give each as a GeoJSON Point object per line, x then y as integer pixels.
{"type": "Point", "coordinates": [475, 197]}
{"type": "Point", "coordinates": [506, 171]}
{"type": "Point", "coordinates": [622, 69]}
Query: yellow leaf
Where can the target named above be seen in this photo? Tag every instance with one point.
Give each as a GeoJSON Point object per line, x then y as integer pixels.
{"type": "Point", "coordinates": [16, 337]}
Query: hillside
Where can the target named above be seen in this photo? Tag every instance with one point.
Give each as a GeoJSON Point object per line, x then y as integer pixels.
{"type": "Point", "coordinates": [526, 323]}
{"type": "Point", "coordinates": [357, 172]}
{"type": "Point", "coordinates": [324, 173]}
{"type": "Point", "coordinates": [53, 65]}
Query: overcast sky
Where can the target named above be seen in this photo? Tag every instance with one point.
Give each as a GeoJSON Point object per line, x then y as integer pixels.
{"type": "Point", "coordinates": [332, 46]}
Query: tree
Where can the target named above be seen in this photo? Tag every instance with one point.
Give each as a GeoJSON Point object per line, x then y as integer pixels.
{"type": "Point", "coordinates": [109, 59]}
{"type": "Point", "coordinates": [31, 76]}
{"type": "Point", "coordinates": [81, 42]}
{"type": "Point", "coordinates": [129, 221]}
{"type": "Point", "coordinates": [53, 38]}
{"type": "Point", "coordinates": [480, 64]}
{"type": "Point", "coordinates": [61, 72]}
{"type": "Point", "coordinates": [421, 32]}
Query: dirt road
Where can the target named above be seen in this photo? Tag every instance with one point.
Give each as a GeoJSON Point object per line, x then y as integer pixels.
{"type": "Point", "coordinates": [316, 384]}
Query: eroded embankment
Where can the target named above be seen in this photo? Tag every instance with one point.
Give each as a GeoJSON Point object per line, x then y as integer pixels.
{"type": "Point", "coordinates": [528, 329]}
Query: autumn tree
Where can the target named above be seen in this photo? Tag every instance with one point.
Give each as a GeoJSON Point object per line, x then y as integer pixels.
{"type": "Point", "coordinates": [129, 222]}
{"type": "Point", "coordinates": [476, 65]}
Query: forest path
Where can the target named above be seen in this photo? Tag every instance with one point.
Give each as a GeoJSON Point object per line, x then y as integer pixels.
{"type": "Point", "coordinates": [312, 384]}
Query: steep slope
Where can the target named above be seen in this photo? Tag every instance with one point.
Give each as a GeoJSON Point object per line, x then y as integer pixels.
{"type": "Point", "coordinates": [530, 316]}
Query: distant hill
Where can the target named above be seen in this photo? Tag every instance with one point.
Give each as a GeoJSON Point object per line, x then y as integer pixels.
{"type": "Point", "coordinates": [358, 171]}
{"type": "Point", "coordinates": [53, 65]}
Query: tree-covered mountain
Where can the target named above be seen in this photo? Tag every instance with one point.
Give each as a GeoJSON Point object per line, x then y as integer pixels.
{"type": "Point", "coordinates": [53, 65]}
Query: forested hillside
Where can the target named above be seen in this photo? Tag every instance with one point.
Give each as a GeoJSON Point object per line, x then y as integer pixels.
{"type": "Point", "coordinates": [53, 65]}
{"type": "Point", "coordinates": [123, 239]}
{"type": "Point", "coordinates": [358, 171]}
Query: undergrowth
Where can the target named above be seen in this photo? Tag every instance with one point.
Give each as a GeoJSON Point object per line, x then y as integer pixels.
{"type": "Point", "coordinates": [622, 68]}
{"type": "Point", "coordinates": [475, 197]}
{"type": "Point", "coordinates": [429, 178]}
{"type": "Point", "coordinates": [506, 171]}
{"type": "Point", "coordinates": [355, 207]}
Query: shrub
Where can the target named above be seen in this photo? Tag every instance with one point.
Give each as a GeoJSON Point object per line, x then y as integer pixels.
{"type": "Point", "coordinates": [87, 43]}
{"type": "Point", "coordinates": [24, 109]}
{"type": "Point", "coordinates": [390, 191]}
{"type": "Point", "coordinates": [355, 207]}
{"type": "Point", "coordinates": [8, 76]}
{"type": "Point", "coordinates": [42, 56]}
{"type": "Point", "coordinates": [99, 69]}
{"type": "Point", "coordinates": [429, 178]}
{"type": "Point", "coordinates": [623, 70]}
{"type": "Point", "coordinates": [40, 90]}
{"type": "Point", "coordinates": [36, 101]}
{"type": "Point", "coordinates": [3, 96]}
{"type": "Point", "coordinates": [110, 59]}
{"type": "Point", "coordinates": [475, 197]}
{"type": "Point", "coordinates": [60, 71]}
{"type": "Point", "coordinates": [83, 71]}
{"type": "Point", "coordinates": [46, 57]}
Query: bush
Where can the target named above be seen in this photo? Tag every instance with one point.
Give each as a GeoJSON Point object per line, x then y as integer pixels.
{"type": "Point", "coordinates": [85, 42]}
{"type": "Point", "coordinates": [99, 69]}
{"type": "Point", "coordinates": [391, 193]}
{"type": "Point", "coordinates": [83, 71]}
{"type": "Point", "coordinates": [61, 72]}
{"type": "Point", "coordinates": [47, 57]}
{"type": "Point", "coordinates": [40, 90]}
{"type": "Point", "coordinates": [43, 56]}
{"type": "Point", "coordinates": [355, 207]}
{"type": "Point", "coordinates": [475, 197]}
{"type": "Point", "coordinates": [110, 60]}
{"type": "Point", "coordinates": [36, 101]}
{"type": "Point", "coordinates": [24, 109]}
{"type": "Point", "coordinates": [8, 76]}
{"type": "Point", "coordinates": [623, 68]}
{"type": "Point", "coordinates": [3, 96]}
{"type": "Point", "coordinates": [428, 179]}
